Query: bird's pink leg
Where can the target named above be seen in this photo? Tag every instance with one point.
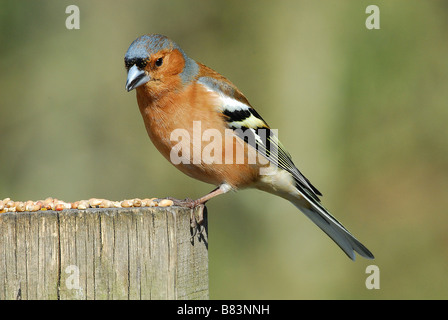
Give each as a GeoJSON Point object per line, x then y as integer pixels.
{"type": "Point", "coordinates": [200, 203]}
{"type": "Point", "coordinates": [194, 203]}
{"type": "Point", "coordinates": [208, 196]}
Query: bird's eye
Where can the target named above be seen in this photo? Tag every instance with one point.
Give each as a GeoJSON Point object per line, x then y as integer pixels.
{"type": "Point", "coordinates": [159, 62]}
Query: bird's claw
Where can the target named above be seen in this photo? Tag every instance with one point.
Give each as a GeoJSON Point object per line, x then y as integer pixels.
{"type": "Point", "coordinates": [187, 202]}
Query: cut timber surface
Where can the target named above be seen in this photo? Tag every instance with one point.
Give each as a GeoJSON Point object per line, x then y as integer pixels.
{"type": "Point", "coordinates": [117, 253]}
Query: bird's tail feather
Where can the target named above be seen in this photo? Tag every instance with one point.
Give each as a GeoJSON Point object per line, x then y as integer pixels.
{"type": "Point", "coordinates": [333, 228]}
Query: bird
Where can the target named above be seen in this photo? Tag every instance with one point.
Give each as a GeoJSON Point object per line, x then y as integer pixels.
{"type": "Point", "coordinates": [180, 98]}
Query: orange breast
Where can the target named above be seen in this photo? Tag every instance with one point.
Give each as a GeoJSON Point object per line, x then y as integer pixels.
{"type": "Point", "coordinates": [187, 127]}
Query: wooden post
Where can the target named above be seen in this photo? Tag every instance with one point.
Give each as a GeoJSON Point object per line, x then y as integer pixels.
{"type": "Point", "coordinates": [119, 253]}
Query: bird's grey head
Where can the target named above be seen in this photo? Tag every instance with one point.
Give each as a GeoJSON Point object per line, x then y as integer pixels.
{"type": "Point", "coordinates": [143, 47]}
{"type": "Point", "coordinates": [140, 52]}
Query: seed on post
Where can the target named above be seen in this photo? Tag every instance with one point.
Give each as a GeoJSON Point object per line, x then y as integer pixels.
{"type": "Point", "coordinates": [95, 202]}
{"type": "Point", "coordinates": [29, 205]}
{"type": "Point", "coordinates": [116, 204]}
{"type": "Point", "coordinates": [20, 207]}
{"type": "Point", "coordinates": [83, 205]}
{"type": "Point", "coordinates": [105, 204]}
{"type": "Point", "coordinates": [35, 207]}
{"type": "Point", "coordinates": [9, 204]}
{"type": "Point", "coordinates": [137, 202]}
{"type": "Point", "coordinates": [48, 204]}
{"type": "Point", "coordinates": [126, 203]}
{"type": "Point", "coordinates": [165, 203]}
{"type": "Point", "coordinates": [152, 203]}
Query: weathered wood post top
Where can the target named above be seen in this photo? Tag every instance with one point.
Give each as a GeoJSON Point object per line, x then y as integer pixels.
{"type": "Point", "coordinates": [103, 253]}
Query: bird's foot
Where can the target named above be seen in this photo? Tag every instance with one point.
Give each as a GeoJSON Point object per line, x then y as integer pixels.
{"type": "Point", "coordinates": [189, 203]}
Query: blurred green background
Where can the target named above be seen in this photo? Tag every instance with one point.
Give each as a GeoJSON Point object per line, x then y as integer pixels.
{"type": "Point", "coordinates": [363, 113]}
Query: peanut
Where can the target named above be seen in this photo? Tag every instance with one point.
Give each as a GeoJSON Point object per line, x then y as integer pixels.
{"type": "Point", "coordinates": [165, 203]}
{"type": "Point", "coordinates": [126, 203]}
{"type": "Point", "coordinates": [137, 202]}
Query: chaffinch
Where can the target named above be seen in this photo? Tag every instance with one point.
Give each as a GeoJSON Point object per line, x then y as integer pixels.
{"type": "Point", "coordinates": [183, 101]}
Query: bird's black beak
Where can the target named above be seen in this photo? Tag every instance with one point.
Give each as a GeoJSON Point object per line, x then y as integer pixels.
{"type": "Point", "coordinates": [136, 78]}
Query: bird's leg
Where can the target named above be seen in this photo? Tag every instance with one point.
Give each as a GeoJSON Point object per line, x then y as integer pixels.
{"type": "Point", "coordinates": [208, 196]}
{"type": "Point", "coordinates": [194, 203]}
{"type": "Point", "coordinates": [196, 222]}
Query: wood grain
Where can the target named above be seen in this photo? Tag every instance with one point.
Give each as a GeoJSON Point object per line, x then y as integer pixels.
{"type": "Point", "coordinates": [118, 253]}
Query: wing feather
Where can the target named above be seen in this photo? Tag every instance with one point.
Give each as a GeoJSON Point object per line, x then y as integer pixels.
{"type": "Point", "coordinates": [251, 127]}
